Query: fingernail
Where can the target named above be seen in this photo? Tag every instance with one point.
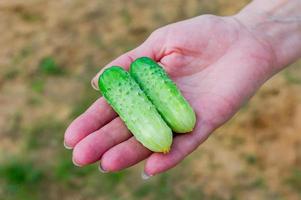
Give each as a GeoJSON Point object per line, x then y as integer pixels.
{"type": "Point", "coordinates": [94, 84]}
{"type": "Point", "coordinates": [66, 146]}
{"type": "Point", "coordinates": [75, 163]}
{"type": "Point", "coordinates": [101, 169]}
{"type": "Point", "coordinates": [145, 176]}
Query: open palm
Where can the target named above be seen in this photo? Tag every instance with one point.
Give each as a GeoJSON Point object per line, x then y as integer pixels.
{"type": "Point", "coordinates": [217, 64]}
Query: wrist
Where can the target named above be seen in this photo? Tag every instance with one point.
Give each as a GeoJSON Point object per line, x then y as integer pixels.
{"type": "Point", "coordinates": [277, 25]}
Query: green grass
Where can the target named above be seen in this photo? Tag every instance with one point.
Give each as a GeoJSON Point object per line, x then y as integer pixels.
{"type": "Point", "coordinates": [160, 188]}
{"type": "Point", "coordinates": [24, 53]}
{"type": "Point", "coordinates": [143, 191]}
{"type": "Point", "coordinates": [65, 171]}
{"type": "Point", "coordinates": [251, 159]}
{"type": "Point", "coordinates": [14, 125]}
{"type": "Point", "coordinates": [43, 132]}
{"type": "Point", "coordinates": [163, 187]}
{"type": "Point", "coordinates": [294, 180]}
{"type": "Point", "coordinates": [72, 178]}
{"type": "Point", "coordinates": [96, 40]}
{"type": "Point", "coordinates": [34, 100]}
{"type": "Point", "coordinates": [88, 98]}
{"type": "Point", "coordinates": [155, 191]}
{"type": "Point", "coordinates": [18, 173]}
{"type": "Point", "coordinates": [245, 107]}
{"type": "Point", "coordinates": [49, 66]}
{"type": "Point", "coordinates": [12, 73]}
{"type": "Point", "coordinates": [236, 141]}
{"type": "Point", "coordinates": [43, 168]}
{"type": "Point", "coordinates": [258, 182]}
{"type": "Point", "coordinates": [126, 16]}
{"type": "Point", "coordinates": [20, 179]}
{"type": "Point", "coordinates": [28, 15]}
{"type": "Point", "coordinates": [291, 77]}
{"type": "Point", "coordinates": [38, 85]}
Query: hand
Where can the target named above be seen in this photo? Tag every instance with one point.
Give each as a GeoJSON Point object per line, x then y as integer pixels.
{"type": "Point", "coordinates": [216, 62]}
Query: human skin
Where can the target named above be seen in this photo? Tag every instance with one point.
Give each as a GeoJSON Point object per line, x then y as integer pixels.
{"type": "Point", "coordinates": [217, 62]}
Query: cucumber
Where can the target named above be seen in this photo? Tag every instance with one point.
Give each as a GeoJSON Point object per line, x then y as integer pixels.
{"type": "Point", "coordinates": [164, 94]}
{"type": "Point", "coordinates": [140, 116]}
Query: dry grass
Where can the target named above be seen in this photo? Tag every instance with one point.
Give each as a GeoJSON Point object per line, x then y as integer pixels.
{"type": "Point", "coordinates": [51, 49]}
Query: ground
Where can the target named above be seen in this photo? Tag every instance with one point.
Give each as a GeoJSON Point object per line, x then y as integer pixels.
{"type": "Point", "coordinates": [49, 52]}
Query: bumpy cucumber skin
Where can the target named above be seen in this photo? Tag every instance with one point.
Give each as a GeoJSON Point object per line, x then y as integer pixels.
{"type": "Point", "coordinates": [139, 114]}
{"type": "Point", "coordinates": [164, 94]}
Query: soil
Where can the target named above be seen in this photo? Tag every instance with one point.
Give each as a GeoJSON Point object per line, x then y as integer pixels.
{"type": "Point", "coordinates": [256, 155]}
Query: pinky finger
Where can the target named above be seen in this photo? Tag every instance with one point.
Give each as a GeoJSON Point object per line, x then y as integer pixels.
{"type": "Point", "coordinates": [181, 147]}
{"type": "Point", "coordinates": [125, 61]}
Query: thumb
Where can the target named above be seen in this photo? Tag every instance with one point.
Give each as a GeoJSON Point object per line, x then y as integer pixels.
{"type": "Point", "coordinates": [150, 48]}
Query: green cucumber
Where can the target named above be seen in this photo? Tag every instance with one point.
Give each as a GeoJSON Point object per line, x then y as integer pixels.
{"type": "Point", "coordinates": [140, 116]}
{"type": "Point", "coordinates": [164, 94]}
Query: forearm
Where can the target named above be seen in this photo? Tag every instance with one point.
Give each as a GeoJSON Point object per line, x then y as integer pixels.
{"type": "Point", "coordinates": [278, 22]}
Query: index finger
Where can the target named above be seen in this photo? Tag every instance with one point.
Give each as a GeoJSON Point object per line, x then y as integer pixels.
{"type": "Point", "coordinates": [100, 112]}
{"type": "Point", "coordinates": [146, 49]}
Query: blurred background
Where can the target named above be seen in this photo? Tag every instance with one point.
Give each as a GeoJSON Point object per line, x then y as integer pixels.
{"type": "Point", "coordinates": [49, 51]}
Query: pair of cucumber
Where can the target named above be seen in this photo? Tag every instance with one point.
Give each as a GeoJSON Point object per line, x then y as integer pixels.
{"type": "Point", "coordinates": [149, 103]}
